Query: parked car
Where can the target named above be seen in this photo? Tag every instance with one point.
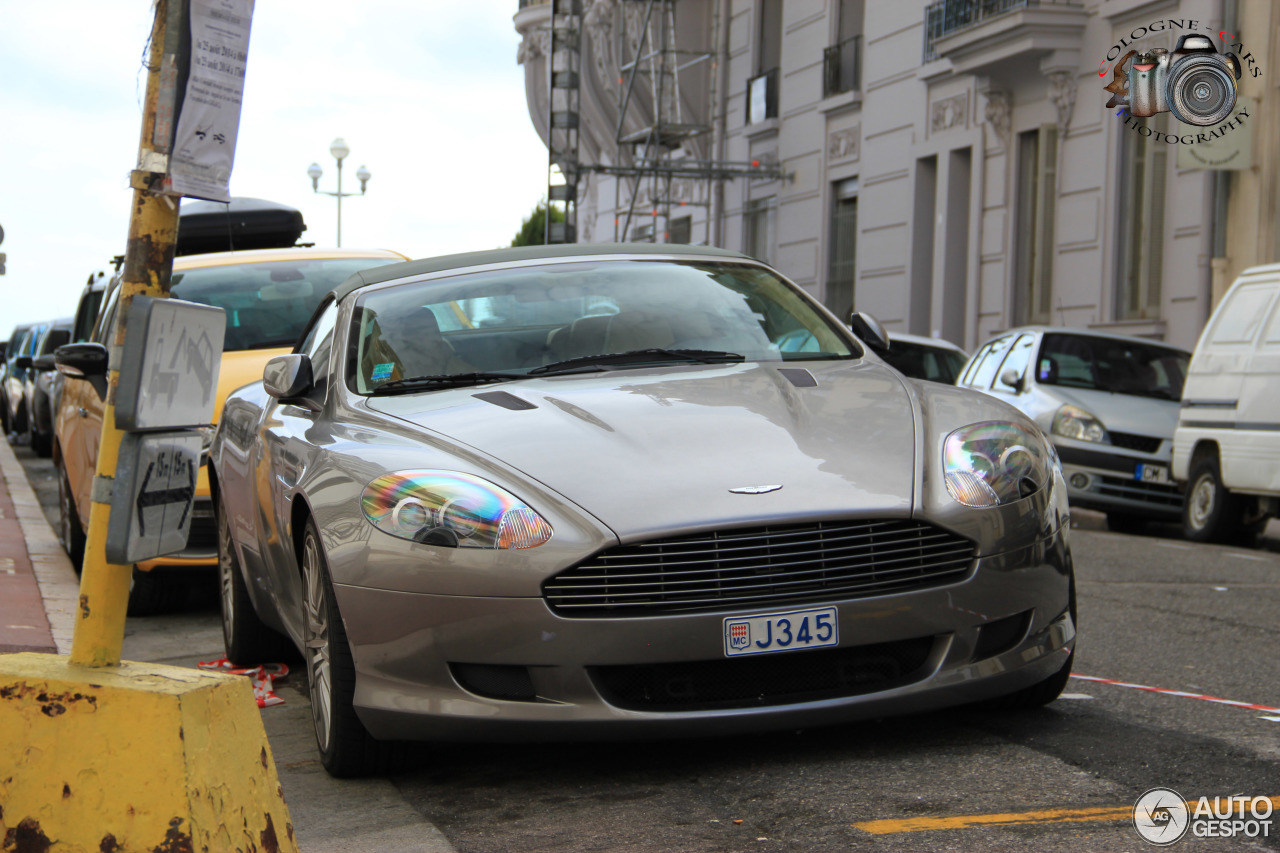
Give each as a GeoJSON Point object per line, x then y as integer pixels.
{"type": "Point", "coordinates": [13, 401]}
{"type": "Point", "coordinates": [581, 491]}
{"type": "Point", "coordinates": [1108, 402]}
{"type": "Point", "coordinates": [1226, 448]}
{"type": "Point", "coordinates": [268, 296]}
{"type": "Point", "coordinates": [920, 357]}
{"type": "Point", "coordinates": [38, 386]}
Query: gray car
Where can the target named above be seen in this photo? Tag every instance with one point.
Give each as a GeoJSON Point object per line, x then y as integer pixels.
{"type": "Point", "coordinates": [582, 492]}
{"type": "Point", "coordinates": [1108, 402]}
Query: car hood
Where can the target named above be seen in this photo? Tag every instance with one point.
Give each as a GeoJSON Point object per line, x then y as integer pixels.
{"type": "Point", "coordinates": [658, 450]}
{"type": "Point", "coordinates": [1124, 412]}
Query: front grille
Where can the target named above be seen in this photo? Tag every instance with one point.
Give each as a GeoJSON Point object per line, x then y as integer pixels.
{"type": "Point", "coordinates": [1141, 443]}
{"type": "Point", "coordinates": [204, 528]}
{"type": "Point", "coordinates": [761, 567]}
{"type": "Point", "coordinates": [773, 679]}
{"type": "Point", "coordinates": [1158, 494]}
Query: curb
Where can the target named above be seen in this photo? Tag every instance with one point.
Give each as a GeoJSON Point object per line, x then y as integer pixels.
{"type": "Point", "coordinates": [59, 585]}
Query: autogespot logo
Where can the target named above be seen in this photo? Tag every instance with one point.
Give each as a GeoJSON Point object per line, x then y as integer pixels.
{"type": "Point", "coordinates": [1160, 816]}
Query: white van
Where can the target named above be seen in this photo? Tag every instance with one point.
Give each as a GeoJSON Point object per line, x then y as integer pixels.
{"type": "Point", "coordinates": [1226, 447]}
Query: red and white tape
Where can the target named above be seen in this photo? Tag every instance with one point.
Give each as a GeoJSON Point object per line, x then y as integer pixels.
{"type": "Point", "coordinates": [262, 676]}
{"type": "Point", "coordinates": [1251, 706]}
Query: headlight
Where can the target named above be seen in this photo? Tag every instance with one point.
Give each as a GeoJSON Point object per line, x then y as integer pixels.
{"type": "Point", "coordinates": [994, 463]}
{"type": "Point", "coordinates": [1074, 422]}
{"type": "Point", "coordinates": [451, 509]}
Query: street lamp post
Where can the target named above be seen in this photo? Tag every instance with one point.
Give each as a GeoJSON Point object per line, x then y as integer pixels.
{"type": "Point", "coordinates": [339, 149]}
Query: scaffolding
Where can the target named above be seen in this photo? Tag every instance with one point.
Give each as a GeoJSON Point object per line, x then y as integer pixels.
{"type": "Point", "coordinates": [656, 166]}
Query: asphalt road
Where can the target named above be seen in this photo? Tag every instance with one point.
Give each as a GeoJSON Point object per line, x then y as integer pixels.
{"type": "Point", "coordinates": [1154, 611]}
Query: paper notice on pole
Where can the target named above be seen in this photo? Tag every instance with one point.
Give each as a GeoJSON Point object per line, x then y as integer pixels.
{"type": "Point", "coordinates": [204, 144]}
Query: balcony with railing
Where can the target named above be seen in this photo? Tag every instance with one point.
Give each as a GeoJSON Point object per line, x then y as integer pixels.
{"type": "Point", "coordinates": [977, 34]}
{"type": "Point", "coordinates": [842, 67]}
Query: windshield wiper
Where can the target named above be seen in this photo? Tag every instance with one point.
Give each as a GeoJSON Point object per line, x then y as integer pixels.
{"type": "Point", "coordinates": [451, 380]}
{"type": "Point", "coordinates": [638, 356]}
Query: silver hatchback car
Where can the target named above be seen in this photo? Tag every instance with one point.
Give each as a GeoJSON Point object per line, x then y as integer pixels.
{"type": "Point", "coordinates": [591, 492]}
{"type": "Point", "coordinates": [1108, 402]}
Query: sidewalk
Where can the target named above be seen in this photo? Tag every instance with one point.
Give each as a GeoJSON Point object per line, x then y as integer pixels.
{"type": "Point", "coordinates": [39, 590]}
{"type": "Point", "coordinates": [38, 587]}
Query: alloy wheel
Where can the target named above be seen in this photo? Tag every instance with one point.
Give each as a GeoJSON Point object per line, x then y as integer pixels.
{"type": "Point", "coordinates": [319, 675]}
{"type": "Point", "coordinates": [226, 578]}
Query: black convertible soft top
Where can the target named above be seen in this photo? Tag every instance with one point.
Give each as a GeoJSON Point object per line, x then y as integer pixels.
{"type": "Point", "coordinates": [388, 272]}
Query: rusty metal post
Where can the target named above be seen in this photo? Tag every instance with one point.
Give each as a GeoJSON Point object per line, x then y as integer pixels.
{"type": "Point", "coordinates": [148, 265]}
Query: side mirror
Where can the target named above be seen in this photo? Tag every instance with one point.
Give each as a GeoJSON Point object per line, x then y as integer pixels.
{"type": "Point", "coordinates": [869, 330]}
{"type": "Point", "coordinates": [287, 377]}
{"type": "Point", "coordinates": [1012, 378]}
{"type": "Point", "coordinates": [44, 363]}
{"type": "Point", "coordinates": [87, 361]}
{"type": "Point", "coordinates": [22, 362]}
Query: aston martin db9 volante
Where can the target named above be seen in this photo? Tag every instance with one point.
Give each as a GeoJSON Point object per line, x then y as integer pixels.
{"type": "Point", "coordinates": [577, 492]}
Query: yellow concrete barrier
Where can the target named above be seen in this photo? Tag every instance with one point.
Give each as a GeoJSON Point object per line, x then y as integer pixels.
{"type": "Point", "coordinates": [134, 757]}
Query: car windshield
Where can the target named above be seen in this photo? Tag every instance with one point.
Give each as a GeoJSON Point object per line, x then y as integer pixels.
{"type": "Point", "coordinates": [1108, 364]}
{"type": "Point", "coordinates": [267, 303]}
{"type": "Point", "coordinates": [919, 361]}
{"type": "Point", "coordinates": [582, 316]}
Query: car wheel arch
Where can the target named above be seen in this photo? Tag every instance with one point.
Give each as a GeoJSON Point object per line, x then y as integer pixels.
{"type": "Point", "coordinates": [1203, 448]}
{"type": "Point", "coordinates": [299, 512]}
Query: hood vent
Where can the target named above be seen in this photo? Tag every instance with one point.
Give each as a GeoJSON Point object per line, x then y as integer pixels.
{"type": "Point", "coordinates": [798, 377]}
{"type": "Point", "coordinates": [506, 400]}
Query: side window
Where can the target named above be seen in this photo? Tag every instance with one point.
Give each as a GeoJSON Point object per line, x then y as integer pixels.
{"type": "Point", "coordinates": [1239, 319]}
{"type": "Point", "coordinates": [1017, 360]}
{"type": "Point", "coordinates": [1272, 335]}
{"type": "Point", "coordinates": [967, 378]}
{"type": "Point", "coordinates": [103, 327]}
{"type": "Point", "coordinates": [986, 370]}
{"type": "Point", "coordinates": [318, 345]}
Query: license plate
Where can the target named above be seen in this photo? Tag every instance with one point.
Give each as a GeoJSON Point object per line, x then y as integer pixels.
{"type": "Point", "coordinates": [780, 632]}
{"type": "Point", "coordinates": [1152, 474]}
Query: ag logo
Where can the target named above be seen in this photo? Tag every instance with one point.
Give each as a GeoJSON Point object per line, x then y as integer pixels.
{"type": "Point", "coordinates": [1160, 816]}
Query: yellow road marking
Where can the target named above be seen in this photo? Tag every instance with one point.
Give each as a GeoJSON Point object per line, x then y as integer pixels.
{"type": "Point", "coordinates": [1099, 814]}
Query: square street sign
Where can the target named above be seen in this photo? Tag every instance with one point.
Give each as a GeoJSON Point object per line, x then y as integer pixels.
{"type": "Point", "coordinates": [169, 373]}
{"type": "Point", "coordinates": [153, 494]}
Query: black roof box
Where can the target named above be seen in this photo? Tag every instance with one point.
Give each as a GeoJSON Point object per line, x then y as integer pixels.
{"type": "Point", "coordinates": [244, 223]}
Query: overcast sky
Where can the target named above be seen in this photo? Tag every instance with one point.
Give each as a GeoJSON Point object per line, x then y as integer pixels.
{"type": "Point", "coordinates": [427, 94]}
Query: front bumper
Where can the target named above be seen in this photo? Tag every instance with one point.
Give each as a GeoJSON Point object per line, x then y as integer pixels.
{"type": "Point", "coordinates": [408, 648]}
{"type": "Point", "coordinates": [1100, 479]}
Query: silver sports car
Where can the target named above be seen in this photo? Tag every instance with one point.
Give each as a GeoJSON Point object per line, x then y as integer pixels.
{"type": "Point", "coordinates": [633, 490]}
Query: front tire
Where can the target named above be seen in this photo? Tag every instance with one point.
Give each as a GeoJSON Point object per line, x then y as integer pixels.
{"type": "Point", "coordinates": [248, 640]}
{"type": "Point", "coordinates": [1211, 513]}
{"type": "Point", "coordinates": [346, 747]}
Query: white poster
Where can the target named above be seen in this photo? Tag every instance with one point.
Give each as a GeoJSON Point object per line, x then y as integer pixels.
{"type": "Point", "coordinates": [204, 145]}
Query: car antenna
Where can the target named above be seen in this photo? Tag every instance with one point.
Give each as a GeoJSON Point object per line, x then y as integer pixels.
{"type": "Point", "coordinates": [231, 236]}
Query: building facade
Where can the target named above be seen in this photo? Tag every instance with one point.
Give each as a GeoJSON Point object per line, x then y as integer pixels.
{"type": "Point", "coordinates": [951, 167]}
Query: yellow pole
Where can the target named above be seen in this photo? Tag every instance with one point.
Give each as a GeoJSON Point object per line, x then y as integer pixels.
{"type": "Point", "coordinates": [148, 265]}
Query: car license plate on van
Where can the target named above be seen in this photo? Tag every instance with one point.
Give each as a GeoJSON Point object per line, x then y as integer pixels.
{"type": "Point", "coordinates": [780, 632]}
{"type": "Point", "coordinates": [1152, 474]}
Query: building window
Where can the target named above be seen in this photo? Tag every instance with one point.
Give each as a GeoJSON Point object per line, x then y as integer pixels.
{"type": "Point", "coordinates": [680, 230]}
{"type": "Point", "coordinates": [842, 62]}
{"type": "Point", "coordinates": [758, 227]}
{"type": "Point", "coordinates": [762, 89]}
{"type": "Point", "coordinates": [1143, 170]}
{"type": "Point", "coordinates": [844, 247]}
{"type": "Point", "coordinates": [1033, 231]}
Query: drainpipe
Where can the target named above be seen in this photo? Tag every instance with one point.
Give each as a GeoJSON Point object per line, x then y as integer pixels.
{"type": "Point", "coordinates": [719, 136]}
{"type": "Point", "coordinates": [1219, 279]}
